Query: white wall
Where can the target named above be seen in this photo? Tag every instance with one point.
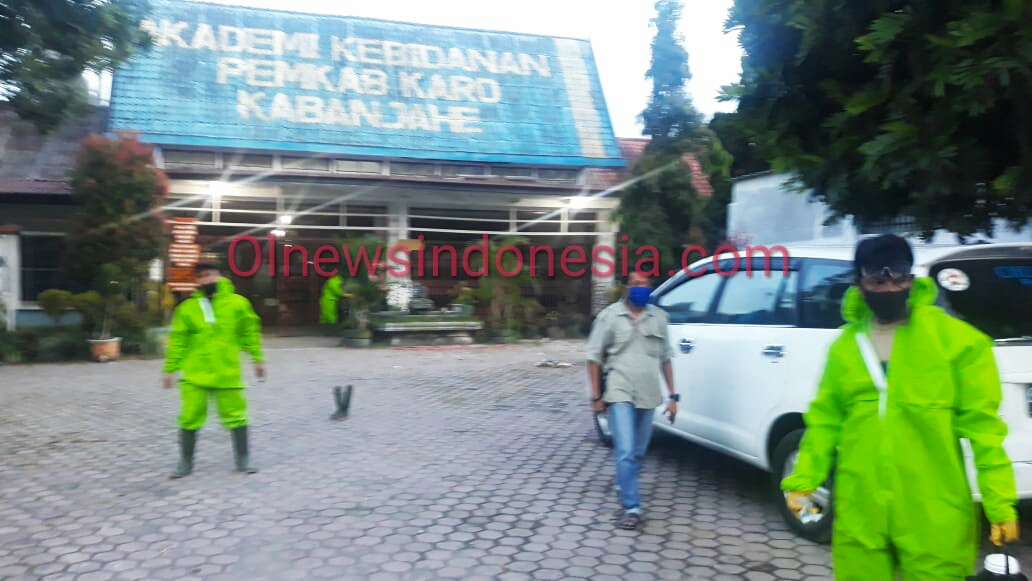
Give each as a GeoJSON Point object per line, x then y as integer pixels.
{"type": "Point", "coordinates": [10, 276]}
{"type": "Point", "coordinates": [762, 211]}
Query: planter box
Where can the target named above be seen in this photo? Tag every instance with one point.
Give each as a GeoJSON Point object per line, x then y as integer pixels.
{"type": "Point", "coordinates": [103, 350]}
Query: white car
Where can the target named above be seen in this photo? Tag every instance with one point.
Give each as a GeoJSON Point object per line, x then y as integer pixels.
{"type": "Point", "coordinates": [749, 350]}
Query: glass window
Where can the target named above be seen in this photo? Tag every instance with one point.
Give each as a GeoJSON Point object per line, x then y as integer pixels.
{"type": "Point", "coordinates": [823, 285]}
{"type": "Point", "coordinates": [755, 300]}
{"type": "Point", "coordinates": [41, 260]}
{"type": "Point", "coordinates": [690, 301]}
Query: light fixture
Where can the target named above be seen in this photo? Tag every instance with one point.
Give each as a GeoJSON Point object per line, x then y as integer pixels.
{"type": "Point", "coordinates": [578, 202]}
{"type": "Point", "coordinates": [279, 233]}
{"type": "Point", "coordinates": [286, 219]}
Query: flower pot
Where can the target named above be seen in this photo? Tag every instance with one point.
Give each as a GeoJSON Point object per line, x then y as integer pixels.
{"type": "Point", "coordinates": [105, 349]}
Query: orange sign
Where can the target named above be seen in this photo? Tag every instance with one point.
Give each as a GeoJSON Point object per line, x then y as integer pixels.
{"type": "Point", "coordinates": [183, 253]}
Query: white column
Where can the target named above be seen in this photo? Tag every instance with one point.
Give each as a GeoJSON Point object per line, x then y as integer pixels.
{"type": "Point", "coordinates": [600, 282]}
{"type": "Point", "coordinates": [400, 285]}
{"type": "Point", "coordinates": [10, 277]}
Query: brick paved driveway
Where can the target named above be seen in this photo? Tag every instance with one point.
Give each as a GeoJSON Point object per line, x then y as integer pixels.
{"type": "Point", "coordinates": [466, 464]}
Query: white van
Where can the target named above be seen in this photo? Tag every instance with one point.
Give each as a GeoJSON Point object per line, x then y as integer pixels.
{"type": "Point", "coordinates": [749, 350]}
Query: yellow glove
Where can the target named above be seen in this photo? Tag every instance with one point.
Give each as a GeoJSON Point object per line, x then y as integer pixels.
{"type": "Point", "coordinates": [798, 500]}
{"type": "Point", "coordinates": [1004, 533]}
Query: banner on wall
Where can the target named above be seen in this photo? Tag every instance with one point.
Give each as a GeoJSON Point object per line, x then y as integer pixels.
{"type": "Point", "coordinates": [240, 77]}
{"type": "Point", "coordinates": [183, 254]}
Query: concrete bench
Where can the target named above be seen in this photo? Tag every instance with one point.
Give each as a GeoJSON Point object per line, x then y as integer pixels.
{"type": "Point", "coordinates": [428, 332]}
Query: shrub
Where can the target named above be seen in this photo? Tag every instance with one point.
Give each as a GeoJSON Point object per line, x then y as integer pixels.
{"type": "Point", "coordinates": [54, 303]}
{"type": "Point", "coordinates": [62, 345]}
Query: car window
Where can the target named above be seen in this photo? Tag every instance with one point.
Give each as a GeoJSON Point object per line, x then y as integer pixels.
{"type": "Point", "coordinates": [757, 300]}
{"type": "Point", "coordinates": [820, 296]}
{"type": "Point", "coordinates": [690, 301]}
{"type": "Point", "coordinates": [990, 288]}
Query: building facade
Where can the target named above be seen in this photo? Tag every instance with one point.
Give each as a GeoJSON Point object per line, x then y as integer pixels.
{"type": "Point", "coordinates": [303, 130]}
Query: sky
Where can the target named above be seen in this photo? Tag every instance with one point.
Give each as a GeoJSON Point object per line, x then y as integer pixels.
{"type": "Point", "coordinates": [619, 32]}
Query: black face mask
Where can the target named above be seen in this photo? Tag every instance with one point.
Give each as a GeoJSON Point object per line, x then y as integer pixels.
{"type": "Point", "coordinates": [888, 307]}
{"type": "Point", "coordinates": [208, 289]}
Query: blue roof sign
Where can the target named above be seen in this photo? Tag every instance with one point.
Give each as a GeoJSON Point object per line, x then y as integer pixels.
{"type": "Point", "coordinates": [237, 77]}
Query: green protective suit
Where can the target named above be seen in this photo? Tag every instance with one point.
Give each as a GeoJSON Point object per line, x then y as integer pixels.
{"type": "Point", "coordinates": [902, 499]}
{"type": "Point", "coordinates": [206, 349]}
{"type": "Point", "coordinates": [328, 301]}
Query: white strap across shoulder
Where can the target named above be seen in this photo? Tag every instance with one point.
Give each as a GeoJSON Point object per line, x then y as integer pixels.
{"type": "Point", "coordinates": [874, 368]}
{"type": "Point", "coordinates": [209, 313]}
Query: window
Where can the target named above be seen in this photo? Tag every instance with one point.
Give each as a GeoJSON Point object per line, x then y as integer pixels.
{"type": "Point", "coordinates": [823, 285]}
{"type": "Point", "coordinates": [757, 300]}
{"type": "Point", "coordinates": [305, 163]}
{"type": "Point", "coordinates": [41, 258]}
{"type": "Point", "coordinates": [690, 302]}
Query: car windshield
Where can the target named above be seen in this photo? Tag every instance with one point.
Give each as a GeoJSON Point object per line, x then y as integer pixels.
{"type": "Point", "coordinates": [990, 287]}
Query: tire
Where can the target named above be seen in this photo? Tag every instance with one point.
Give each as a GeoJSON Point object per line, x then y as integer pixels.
{"type": "Point", "coordinates": [819, 527]}
{"type": "Point", "coordinates": [602, 429]}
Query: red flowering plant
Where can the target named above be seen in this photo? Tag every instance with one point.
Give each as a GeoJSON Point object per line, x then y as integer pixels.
{"type": "Point", "coordinates": [119, 228]}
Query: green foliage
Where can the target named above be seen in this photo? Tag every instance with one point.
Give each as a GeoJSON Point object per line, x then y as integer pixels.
{"type": "Point", "coordinates": [737, 139]}
{"type": "Point", "coordinates": [670, 115]}
{"type": "Point", "coordinates": [502, 279]}
{"type": "Point", "coordinates": [46, 46]}
{"type": "Point", "coordinates": [91, 305]}
{"type": "Point", "coordinates": [916, 108]}
{"type": "Point", "coordinates": [54, 303]}
{"type": "Point", "coordinates": [41, 345]}
{"type": "Point", "coordinates": [119, 231]}
{"type": "Point", "coordinates": [463, 294]}
{"type": "Point", "coordinates": [362, 292]}
{"type": "Point", "coordinates": [662, 212]}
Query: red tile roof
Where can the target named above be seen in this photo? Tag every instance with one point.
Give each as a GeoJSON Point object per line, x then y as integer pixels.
{"type": "Point", "coordinates": [632, 149]}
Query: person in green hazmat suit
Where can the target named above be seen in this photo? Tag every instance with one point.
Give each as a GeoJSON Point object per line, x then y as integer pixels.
{"type": "Point", "coordinates": [329, 300]}
{"type": "Point", "coordinates": [903, 383]}
{"type": "Point", "coordinates": [209, 331]}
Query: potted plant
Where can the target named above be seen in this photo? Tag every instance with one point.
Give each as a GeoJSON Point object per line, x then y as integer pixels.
{"type": "Point", "coordinates": [104, 347]}
{"type": "Point", "coordinates": [463, 298]}
{"type": "Point", "coordinates": [363, 296]}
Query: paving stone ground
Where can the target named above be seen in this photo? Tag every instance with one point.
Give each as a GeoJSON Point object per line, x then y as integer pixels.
{"type": "Point", "coordinates": [467, 463]}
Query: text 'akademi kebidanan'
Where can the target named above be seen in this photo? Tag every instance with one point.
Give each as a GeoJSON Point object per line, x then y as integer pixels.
{"type": "Point", "coordinates": [348, 90]}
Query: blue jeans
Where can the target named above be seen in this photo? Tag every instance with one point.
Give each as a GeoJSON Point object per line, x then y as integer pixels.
{"type": "Point", "coordinates": [632, 429]}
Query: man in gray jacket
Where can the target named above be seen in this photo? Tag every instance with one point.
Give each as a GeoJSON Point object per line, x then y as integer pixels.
{"type": "Point", "coordinates": [628, 345]}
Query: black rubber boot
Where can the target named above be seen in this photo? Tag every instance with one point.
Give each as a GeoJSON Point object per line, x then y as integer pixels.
{"type": "Point", "coordinates": [240, 452]}
{"type": "Point", "coordinates": [342, 397]}
{"type": "Point", "coordinates": [187, 443]}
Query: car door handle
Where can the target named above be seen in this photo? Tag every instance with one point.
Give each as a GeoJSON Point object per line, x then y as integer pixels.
{"type": "Point", "coordinates": [774, 350]}
{"type": "Point", "coordinates": [687, 345]}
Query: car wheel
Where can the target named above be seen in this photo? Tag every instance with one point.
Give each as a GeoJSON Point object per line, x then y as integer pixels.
{"type": "Point", "coordinates": [815, 527]}
{"type": "Point", "coordinates": [602, 429]}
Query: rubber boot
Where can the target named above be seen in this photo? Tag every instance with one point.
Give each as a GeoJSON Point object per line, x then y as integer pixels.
{"type": "Point", "coordinates": [187, 443]}
{"type": "Point", "coordinates": [240, 452]}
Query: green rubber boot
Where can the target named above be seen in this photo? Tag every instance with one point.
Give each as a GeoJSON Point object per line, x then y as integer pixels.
{"type": "Point", "coordinates": [240, 452]}
{"type": "Point", "coordinates": [187, 443]}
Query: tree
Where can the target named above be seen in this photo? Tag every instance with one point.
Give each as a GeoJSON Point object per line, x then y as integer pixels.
{"type": "Point", "coordinates": [889, 108]}
{"type": "Point", "coordinates": [662, 212]}
{"type": "Point", "coordinates": [46, 45]}
{"type": "Point", "coordinates": [738, 140]}
{"type": "Point", "coordinates": [670, 116]}
{"type": "Point", "coordinates": [119, 231]}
